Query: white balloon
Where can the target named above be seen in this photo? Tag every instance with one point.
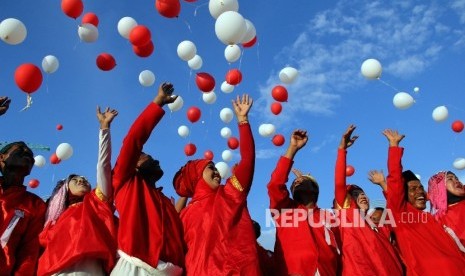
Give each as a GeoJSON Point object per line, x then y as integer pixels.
{"type": "Point", "coordinates": [186, 50]}
{"type": "Point", "coordinates": [146, 78]}
{"type": "Point", "coordinates": [222, 168]}
{"type": "Point", "coordinates": [227, 155]}
{"type": "Point", "coordinates": [288, 75]}
{"type": "Point", "coordinates": [217, 7]}
{"type": "Point", "coordinates": [64, 151]}
{"type": "Point", "coordinates": [183, 131]}
{"type": "Point", "coordinates": [226, 132]}
{"type": "Point", "coordinates": [226, 115]}
{"type": "Point", "coordinates": [50, 64]}
{"type": "Point", "coordinates": [125, 26]}
{"type": "Point", "coordinates": [226, 87]}
{"type": "Point", "coordinates": [402, 100]}
{"type": "Point", "coordinates": [12, 31]}
{"type": "Point", "coordinates": [230, 27]}
{"type": "Point", "coordinates": [371, 69]}
{"type": "Point", "coordinates": [176, 105]}
{"type": "Point", "coordinates": [459, 163]}
{"type": "Point", "coordinates": [266, 130]}
{"type": "Point", "coordinates": [232, 53]}
{"type": "Point", "coordinates": [195, 63]}
{"type": "Point", "coordinates": [88, 32]}
{"type": "Point", "coordinates": [209, 98]}
{"type": "Point", "coordinates": [440, 113]}
{"type": "Point", "coordinates": [250, 32]}
{"type": "Point", "coordinates": [39, 161]}
{"type": "Point", "coordinates": [416, 89]}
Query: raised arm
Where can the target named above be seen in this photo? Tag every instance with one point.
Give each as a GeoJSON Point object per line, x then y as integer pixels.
{"type": "Point", "coordinates": [138, 134]}
{"type": "Point", "coordinates": [340, 189]}
{"type": "Point", "coordinates": [377, 178]}
{"type": "Point", "coordinates": [241, 179]}
{"type": "Point", "coordinates": [4, 105]}
{"type": "Point", "coordinates": [104, 151]}
{"type": "Point", "coordinates": [396, 196]}
{"type": "Point", "coordinates": [277, 190]}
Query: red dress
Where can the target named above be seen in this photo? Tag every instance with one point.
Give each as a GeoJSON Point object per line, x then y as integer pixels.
{"type": "Point", "coordinates": [300, 249]}
{"type": "Point", "coordinates": [455, 219]}
{"type": "Point", "coordinates": [84, 230]}
{"type": "Point", "coordinates": [149, 226]}
{"type": "Point", "coordinates": [365, 251]}
{"type": "Point", "coordinates": [218, 229]}
{"type": "Point", "coordinates": [426, 248]}
{"type": "Point", "coordinates": [21, 220]}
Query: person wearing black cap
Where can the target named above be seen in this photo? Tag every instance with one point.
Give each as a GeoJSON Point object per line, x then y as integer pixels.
{"type": "Point", "coordinates": [305, 244]}
{"type": "Point", "coordinates": [425, 247]}
{"type": "Point", "coordinates": [150, 235]}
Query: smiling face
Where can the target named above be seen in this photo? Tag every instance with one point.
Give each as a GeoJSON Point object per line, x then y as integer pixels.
{"type": "Point", "coordinates": [18, 158]}
{"type": "Point", "coordinates": [376, 216]}
{"type": "Point", "coordinates": [212, 176]}
{"type": "Point", "coordinates": [416, 194]}
{"type": "Point", "coordinates": [454, 186]}
{"type": "Point", "coordinates": [362, 201]}
{"type": "Point", "coordinates": [78, 186]}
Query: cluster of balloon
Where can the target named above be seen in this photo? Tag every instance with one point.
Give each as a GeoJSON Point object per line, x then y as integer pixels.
{"type": "Point", "coordinates": [233, 143]}
{"type": "Point", "coordinates": [459, 163]}
{"type": "Point", "coordinates": [88, 31]}
{"type": "Point", "coordinates": [226, 115]}
{"type": "Point", "coordinates": [168, 8]}
{"type": "Point", "coordinates": [205, 82]}
{"type": "Point", "coordinates": [33, 183]}
{"type": "Point", "coordinates": [12, 31]}
{"type": "Point", "coordinates": [190, 149]}
{"type": "Point", "coordinates": [105, 62]}
{"type": "Point", "coordinates": [226, 87]}
{"type": "Point", "coordinates": [208, 154]}
{"type": "Point", "coordinates": [39, 161]}
{"type": "Point", "coordinates": [440, 113]}
{"type": "Point", "coordinates": [350, 170]}
{"type": "Point", "coordinates": [457, 126]}
{"type": "Point", "coordinates": [233, 77]}
{"type": "Point", "coordinates": [139, 36]}
{"type": "Point", "coordinates": [72, 8]}
{"type": "Point", "coordinates": [146, 78]}
{"type": "Point", "coordinates": [232, 53]}
{"type": "Point", "coordinates": [187, 51]}
{"type": "Point", "coordinates": [54, 159]}
{"type": "Point", "coordinates": [231, 27]}
{"type": "Point", "coordinates": [50, 64]}
{"type": "Point", "coordinates": [193, 114]}
{"type": "Point", "coordinates": [278, 140]}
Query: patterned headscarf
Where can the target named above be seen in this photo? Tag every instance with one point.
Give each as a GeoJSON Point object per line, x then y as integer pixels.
{"type": "Point", "coordinates": [57, 201]}
{"type": "Point", "coordinates": [437, 194]}
{"type": "Point", "coordinates": [188, 176]}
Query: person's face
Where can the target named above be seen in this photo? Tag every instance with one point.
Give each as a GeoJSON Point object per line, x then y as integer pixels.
{"type": "Point", "coordinates": [78, 186]}
{"type": "Point", "coordinates": [454, 186]}
{"type": "Point", "coordinates": [416, 194]}
{"type": "Point", "coordinates": [362, 201]}
{"type": "Point", "coordinates": [212, 176]}
{"type": "Point", "coordinates": [148, 166]}
{"type": "Point", "coordinates": [17, 158]}
{"type": "Point", "coordinates": [376, 216]}
{"type": "Point", "coordinates": [304, 189]}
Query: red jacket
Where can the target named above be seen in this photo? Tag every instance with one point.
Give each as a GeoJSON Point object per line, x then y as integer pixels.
{"type": "Point", "coordinates": [455, 219]}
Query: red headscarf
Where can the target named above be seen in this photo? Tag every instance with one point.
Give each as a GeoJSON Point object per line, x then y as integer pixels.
{"type": "Point", "coordinates": [188, 176]}
{"type": "Point", "coordinates": [437, 194]}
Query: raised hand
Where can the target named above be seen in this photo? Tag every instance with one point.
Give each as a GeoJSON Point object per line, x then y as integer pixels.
{"type": "Point", "coordinates": [347, 138]}
{"type": "Point", "coordinates": [298, 140]}
{"type": "Point", "coordinates": [377, 177]}
{"type": "Point", "coordinates": [242, 107]}
{"type": "Point", "coordinates": [105, 118]}
{"type": "Point", "coordinates": [4, 105]}
{"type": "Point", "coordinates": [393, 136]}
{"type": "Point", "coordinates": [164, 95]}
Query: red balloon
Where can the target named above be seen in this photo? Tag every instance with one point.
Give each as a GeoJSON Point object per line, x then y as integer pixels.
{"type": "Point", "coordinates": [190, 149]}
{"type": "Point", "coordinates": [54, 159]}
{"type": "Point", "coordinates": [457, 126]}
{"type": "Point", "coordinates": [208, 154]}
{"type": "Point", "coordinates": [59, 127]}
{"type": "Point", "coordinates": [193, 114]}
{"type": "Point", "coordinates": [28, 77]}
{"type": "Point", "coordinates": [350, 170]}
{"type": "Point", "coordinates": [72, 8]}
{"type": "Point", "coordinates": [168, 8]}
{"type": "Point", "coordinates": [278, 140]}
{"type": "Point", "coordinates": [279, 93]}
{"type": "Point", "coordinates": [34, 183]}
{"type": "Point", "coordinates": [106, 62]}
{"type": "Point", "coordinates": [233, 143]}
{"type": "Point", "coordinates": [145, 50]}
{"type": "Point", "coordinates": [250, 43]}
{"type": "Point", "coordinates": [90, 18]}
{"type": "Point", "coordinates": [205, 82]}
{"type": "Point", "coordinates": [140, 35]}
{"type": "Point", "coordinates": [276, 108]}
{"type": "Point", "coordinates": [233, 77]}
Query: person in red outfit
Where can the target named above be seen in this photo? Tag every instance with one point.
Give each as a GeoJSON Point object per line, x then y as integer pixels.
{"type": "Point", "coordinates": [447, 197]}
{"type": "Point", "coordinates": [365, 251]}
{"type": "Point", "coordinates": [74, 207]}
{"type": "Point", "coordinates": [22, 213]}
{"type": "Point", "coordinates": [217, 226]}
{"type": "Point", "coordinates": [425, 246]}
{"type": "Point", "coordinates": [265, 257]}
{"type": "Point", "coordinates": [305, 244]}
{"type": "Point", "coordinates": [150, 231]}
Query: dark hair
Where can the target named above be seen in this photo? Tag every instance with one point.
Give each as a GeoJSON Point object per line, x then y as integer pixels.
{"type": "Point", "coordinates": [7, 147]}
{"type": "Point", "coordinates": [257, 229]}
{"type": "Point", "coordinates": [379, 209]}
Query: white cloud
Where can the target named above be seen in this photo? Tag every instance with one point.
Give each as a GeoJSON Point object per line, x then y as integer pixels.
{"type": "Point", "coordinates": [267, 153]}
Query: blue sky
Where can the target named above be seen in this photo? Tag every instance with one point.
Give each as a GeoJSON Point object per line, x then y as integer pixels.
{"type": "Point", "coordinates": [419, 44]}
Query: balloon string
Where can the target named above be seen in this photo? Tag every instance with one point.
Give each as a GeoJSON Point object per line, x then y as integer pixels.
{"type": "Point", "coordinates": [240, 59]}
{"type": "Point", "coordinates": [46, 84]}
{"type": "Point", "coordinates": [195, 11]}
{"type": "Point", "coordinates": [387, 84]}
{"type": "Point", "coordinates": [28, 102]}
{"type": "Point", "coordinates": [188, 25]}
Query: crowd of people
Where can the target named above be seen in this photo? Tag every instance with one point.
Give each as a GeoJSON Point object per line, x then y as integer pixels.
{"type": "Point", "coordinates": [209, 230]}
